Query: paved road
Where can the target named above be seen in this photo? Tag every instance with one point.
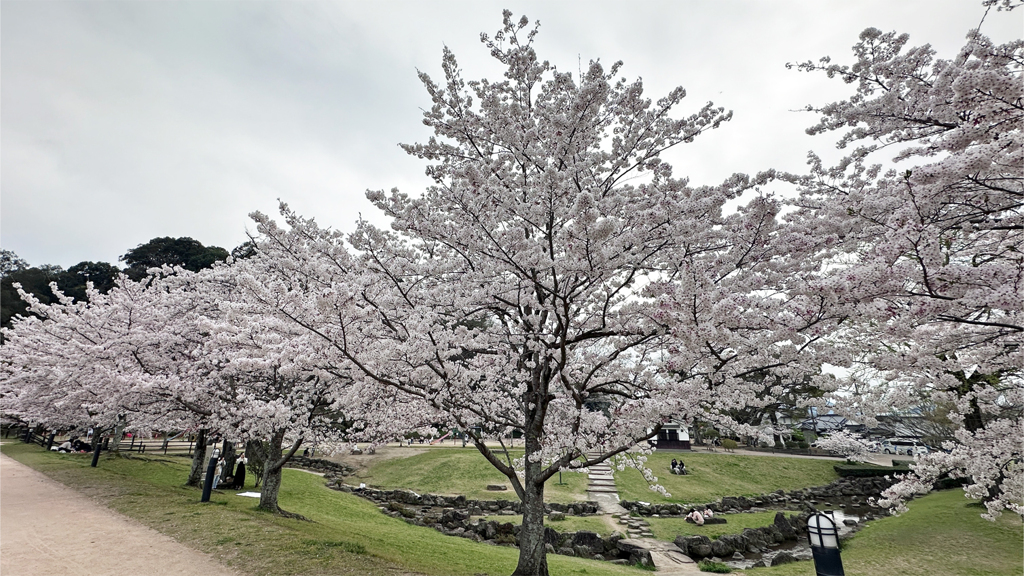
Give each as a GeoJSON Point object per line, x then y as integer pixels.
{"type": "Point", "coordinates": [47, 529]}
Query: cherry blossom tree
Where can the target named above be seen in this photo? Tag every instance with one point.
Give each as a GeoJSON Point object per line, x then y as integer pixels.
{"type": "Point", "coordinates": [927, 253]}
{"type": "Point", "coordinates": [556, 280]}
{"type": "Point", "coordinates": [845, 443]}
{"type": "Point", "coordinates": [268, 388]}
{"type": "Point", "coordinates": [90, 363]}
{"type": "Point", "coordinates": [179, 350]}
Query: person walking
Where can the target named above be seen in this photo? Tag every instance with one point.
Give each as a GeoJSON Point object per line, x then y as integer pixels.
{"type": "Point", "coordinates": [217, 472]}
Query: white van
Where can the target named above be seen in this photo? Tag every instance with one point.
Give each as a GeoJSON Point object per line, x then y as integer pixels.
{"type": "Point", "coordinates": [908, 447]}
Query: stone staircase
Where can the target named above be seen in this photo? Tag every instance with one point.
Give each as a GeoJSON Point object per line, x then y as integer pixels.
{"type": "Point", "coordinates": [601, 489]}
{"type": "Point", "coordinates": [634, 527]}
{"type": "Point", "coordinates": [667, 558]}
{"type": "Point", "coordinates": [601, 479]}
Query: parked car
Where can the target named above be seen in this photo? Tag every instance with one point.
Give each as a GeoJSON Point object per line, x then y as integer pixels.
{"type": "Point", "coordinates": [904, 446]}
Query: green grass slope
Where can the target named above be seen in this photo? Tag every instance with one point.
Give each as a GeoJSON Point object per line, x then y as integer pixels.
{"type": "Point", "coordinates": [570, 524]}
{"type": "Point", "coordinates": [941, 534]}
{"type": "Point", "coordinates": [461, 471]}
{"type": "Point", "coordinates": [715, 475]}
{"type": "Point", "coordinates": [347, 535]}
{"type": "Point", "coordinates": [669, 528]}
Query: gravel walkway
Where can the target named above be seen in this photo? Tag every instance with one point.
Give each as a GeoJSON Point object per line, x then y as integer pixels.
{"type": "Point", "coordinates": [47, 529]}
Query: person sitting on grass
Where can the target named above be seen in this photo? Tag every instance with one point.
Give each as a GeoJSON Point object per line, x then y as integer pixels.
{"type": "Point", "coordinates": [678, 467]}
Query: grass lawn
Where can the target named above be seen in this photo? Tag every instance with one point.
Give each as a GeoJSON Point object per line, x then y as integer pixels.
{"type": "Point", "coordinates": [669, 528]}
{"type": "Point", "coordinates": [941, 534]}
{"type": "Point", "coordinates": [347, 535]}
{"type": "Point", "coordinates": [460, 471]}
{"type": "Point", "coordinates": [570, 524]}
{"type": "Point", "coordinates": [715, 475]}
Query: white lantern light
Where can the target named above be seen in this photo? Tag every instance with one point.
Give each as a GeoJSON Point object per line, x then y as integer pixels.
{"type": "Point", "coordinates": [822, 531]}
{"type": "Point", "coordinates": [824, 540]}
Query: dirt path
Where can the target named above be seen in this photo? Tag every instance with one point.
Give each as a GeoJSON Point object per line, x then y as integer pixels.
{"type": "Point", "coordinates": [47, 529]}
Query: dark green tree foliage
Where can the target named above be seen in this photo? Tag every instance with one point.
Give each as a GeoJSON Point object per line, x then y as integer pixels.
{"type": "Point", "coordinates": [185, 252]}
{"type": "Point", "coordinates": [35, 281]}
{"type": "Point", "coordinates": [10, 263]}
{"type": "Point", "coordinates": [72, 282]}
{"type": "Point", "coordinates": [244, 250]}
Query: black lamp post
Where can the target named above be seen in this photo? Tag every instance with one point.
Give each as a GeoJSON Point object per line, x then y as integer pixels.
{"type": "Point", "coordinates": [824, 538]}
{"type": "Point", "coordinates": [211, 471]}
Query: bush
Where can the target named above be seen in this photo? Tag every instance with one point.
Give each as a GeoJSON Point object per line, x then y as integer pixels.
{"type": "Point", "coordinates": [729, 444]}
{"type": "Point", "coordinates": [792, 444]}
{"type": "Point", "coordinates": [506, 539]}
{"type": "Point", "coordinates": [803, 445]}
{"type": "Point", "coordinates": [716, 567]}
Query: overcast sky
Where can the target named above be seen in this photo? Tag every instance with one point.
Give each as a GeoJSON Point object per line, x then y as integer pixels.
{"type": "Point", "coordinates": [125, 121]}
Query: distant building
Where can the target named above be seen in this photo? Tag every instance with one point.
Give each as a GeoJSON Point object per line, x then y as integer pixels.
{"type": "Point", "coordinates": [673, 436]}
{"type": "Point", "coordinates": [827, 423]}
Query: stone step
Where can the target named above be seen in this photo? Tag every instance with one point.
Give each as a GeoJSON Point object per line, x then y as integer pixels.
{"type": "Point", "coordinates": [605, 489]}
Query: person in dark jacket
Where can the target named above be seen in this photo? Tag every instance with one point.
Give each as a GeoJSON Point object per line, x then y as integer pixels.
{"type": "Point", "coordinates": [239, 479]}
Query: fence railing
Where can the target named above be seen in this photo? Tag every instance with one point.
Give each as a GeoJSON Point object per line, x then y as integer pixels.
{"type": "Point", "coordinates": [181, 447]}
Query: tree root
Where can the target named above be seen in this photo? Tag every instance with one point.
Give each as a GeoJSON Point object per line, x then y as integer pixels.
{"type": "Point", "coordinates": [286, 514]}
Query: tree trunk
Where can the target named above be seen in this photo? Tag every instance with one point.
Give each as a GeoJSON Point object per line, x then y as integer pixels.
{"type": "Point", "coordinates": [195, 474]}
{"type": "Point", "coordinates": [271, 487]}
{"type": "Point", "coordinates": [698, 432]}
{"type": "Point", "coordinates": [276, 458]}
{"type": "Point", "coordinates": [255, 452]}
{"type": "Point", "coordinates": [272, 473]}
{"type": "Point", "coordinates": [775, 424]}
{"type": "Point", "coordinates": [533, 559]}
{"type": "Point", "coordinates": [118, 435]}
{"type": "Point", "coordinates": [97, 446]}
{"type": "Point", "coordinates": [227, 452]}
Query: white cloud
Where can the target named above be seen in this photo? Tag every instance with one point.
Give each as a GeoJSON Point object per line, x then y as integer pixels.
{"type": "Point", "coordinates": [123, 121]}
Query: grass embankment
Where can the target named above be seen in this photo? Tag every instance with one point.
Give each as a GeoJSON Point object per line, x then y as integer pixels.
{"type": "Point", "coordinates": [713, 476]}
{"type": "Point", "coordinates": [570, 524]}
{"type": "Point", "coordinates": [347, 535]}
{"type": "Point", "coordinates": [941, 534]}
{"type": "Point", "coordinates": [669, 528]}
{"type": "Point", "coordinates": [461, 471]}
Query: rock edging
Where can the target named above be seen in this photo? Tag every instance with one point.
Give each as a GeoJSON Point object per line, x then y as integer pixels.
{"type": "Point", "coordinates": [751, 540]}
{"type": "Point", "coordinates": [453, 516]}
{"type": "Point", "coordinates": [320, 465]}
{"type": "Point", "coordinates": [857, 489]}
